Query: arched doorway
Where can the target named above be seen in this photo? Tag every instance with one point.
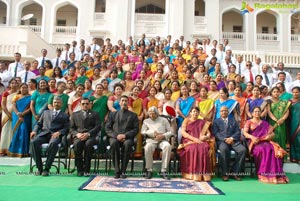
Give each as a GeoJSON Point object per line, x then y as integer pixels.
{"type": "Point", "coordinates": [3, 13]}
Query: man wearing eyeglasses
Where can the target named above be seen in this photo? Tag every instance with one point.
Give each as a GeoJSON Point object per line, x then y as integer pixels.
{"type": "Point", "coordinates": [84, 127]}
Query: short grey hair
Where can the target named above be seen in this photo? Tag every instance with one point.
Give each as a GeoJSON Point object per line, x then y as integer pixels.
{"type": "Point", "coordinates": [58, 98]}
{"type": "Point", "coordinates": [153, 109]}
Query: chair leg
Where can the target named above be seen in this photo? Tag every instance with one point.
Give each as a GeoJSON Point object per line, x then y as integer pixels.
{"type": "Point", "coordinates": [30, 166]}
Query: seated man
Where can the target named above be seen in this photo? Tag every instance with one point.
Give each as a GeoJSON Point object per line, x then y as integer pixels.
{"type": "Point", "coordinates": [121, 127]}
{"type": "Point", "coordinates": [85, 125]}
{"type": "Point", "coordinates": [51, 127]}
{"type": "Point", "coordinates": [157, 131]}
{"type": "Point", "coordinates": [228, 134]}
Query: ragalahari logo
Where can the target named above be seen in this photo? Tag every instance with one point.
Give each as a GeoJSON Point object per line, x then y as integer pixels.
{"type": "Point", "coordinates": [246, 8]}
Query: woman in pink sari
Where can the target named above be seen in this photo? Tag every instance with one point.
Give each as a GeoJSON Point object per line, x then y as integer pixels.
{"type": "Point", "coordinates": [267, 154]}
{"type": "Point", "coordinates": [195, 151]}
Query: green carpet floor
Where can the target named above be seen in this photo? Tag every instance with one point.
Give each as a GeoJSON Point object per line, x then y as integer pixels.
{"type": "Point", "coordinates": [15, 185]}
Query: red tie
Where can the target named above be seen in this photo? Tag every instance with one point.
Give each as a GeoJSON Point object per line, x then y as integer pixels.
{"type": "Point", "coordinates": [251, 76]}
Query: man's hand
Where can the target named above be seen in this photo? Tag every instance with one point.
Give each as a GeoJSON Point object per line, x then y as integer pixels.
{"type": "Point", "coordinates": [229, 140]}
{"type": "Point", "coordinates": [121, 137]}
{"type": "Point", "coordinates": [32, 134]}
{"type": "Point", "coordinates": [55, 135]}
{"type": "Point", "coordinates": [158, 136]}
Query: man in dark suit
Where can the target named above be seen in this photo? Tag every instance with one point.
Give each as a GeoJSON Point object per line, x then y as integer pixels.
{"type": "Point", "coordinates": [84, 128]}
{"type": "Point", "coordinates": [122, 126]}
{"type": "Point", "coordinates": [228, 134]}
{"type": "Point", "coordinates": [51, 128]}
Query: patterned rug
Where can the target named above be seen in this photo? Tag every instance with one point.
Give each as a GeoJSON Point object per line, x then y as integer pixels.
{"type": "Point", "coordinates": [155, 185]}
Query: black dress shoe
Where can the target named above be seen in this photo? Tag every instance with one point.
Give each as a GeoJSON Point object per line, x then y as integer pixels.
{"type": "Point", "coordinates": [45, 173]}
{"type": "Point", "coordinates": [123, 176]}
{"type": "Point", "coordinates": [80, 174]}
{"type": "Point", "coordinates": [164, 175]}
{"type": "Point", "coordinates": [117, 175]}
{"type": "Point", "coordinates": [149, 175]}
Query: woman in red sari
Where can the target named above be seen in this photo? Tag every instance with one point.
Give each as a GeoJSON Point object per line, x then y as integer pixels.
{"type": "Point", "coordinates": [267, 154]}
{"type": "Point", "coordinates": [195, 151]}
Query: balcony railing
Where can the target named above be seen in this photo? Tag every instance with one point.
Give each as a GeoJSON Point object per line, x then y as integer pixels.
{"type": "Point", "coordinates": [200, 20]}
{"type": "Point", "coordinates": [269, 37]}
{"type": "Point", "coordinates": [99, 16]}
{"type": "Point", "coordinates": [233, 35]}
{"type": "Point", "coordinates": [295, 37]}
{"type": "Point", "coordinates": [66, 29]}
{"type": "Point", "coordinates": [149, 17]}
{"type": "Point", "coordinates": [36, 28]}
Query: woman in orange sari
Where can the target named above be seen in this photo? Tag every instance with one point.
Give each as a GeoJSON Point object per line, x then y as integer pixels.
{"type": "Point", "coordinates": [242, 104]}
{"type": "Point", "coordinates": [213, 90]}
{"type": "Point", "coordinates": [195, 150]}
{"type": "Point", "coordinates": [74, 101]}
{"type": "Point", "coordinates": [150, 101]}
{"type": "Point", "coordinates": [136, 105]}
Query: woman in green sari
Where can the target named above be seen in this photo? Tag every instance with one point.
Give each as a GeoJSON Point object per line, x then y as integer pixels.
{"type": "Point", "coordinates": [295, 126]}
{"type": "Point", "coordinates": [100, 106]}
{"type": "Point", "coordinates": [278, 112]}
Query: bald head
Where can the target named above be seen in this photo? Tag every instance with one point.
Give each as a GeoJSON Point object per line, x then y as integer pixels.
{"type": "Point", "coordinates": [224, 112]}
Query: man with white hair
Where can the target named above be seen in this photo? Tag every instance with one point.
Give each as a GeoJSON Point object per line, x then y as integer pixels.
{"type": "Point", "coordinates": [157, 132]}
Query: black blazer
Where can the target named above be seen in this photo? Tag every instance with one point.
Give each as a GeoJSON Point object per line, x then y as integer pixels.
{"type": "Point", "coordinates": [221, 131]}
{"type": "Point", "coordinates": [47, 125]}
{"type": "Point", "coordinates": [91, 124]}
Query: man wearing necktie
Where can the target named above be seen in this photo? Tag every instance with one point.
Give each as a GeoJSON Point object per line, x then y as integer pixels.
{"type": "Point", "coordinates": [50, 129]}
{"type": "Point", "coordinates": [228, 134]}
{"type": "Point", "coordinates": [26, 74]}
{"type": "Point", "coordinates": [16, 67]}
{"type": "Point", "coordinates": [84, 128]}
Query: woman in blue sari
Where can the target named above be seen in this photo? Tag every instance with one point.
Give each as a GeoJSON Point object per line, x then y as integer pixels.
{"type": "Point", "coordinates": [256, 101]}
{"type": "Point", "coordinates": [39, 101]}
{"type": "Point", "coordinates": [21, 119]}
{"type": "Point", "coordinates": [231, 104]}
{"type": "Point", "coordinates": [88, 90]}
{"type": "Point", "coordinates": [184, 105]}
{"type": "Point", "coordinates": [295, 126]}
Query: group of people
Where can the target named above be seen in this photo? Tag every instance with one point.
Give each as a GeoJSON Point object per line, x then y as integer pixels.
{"type": "Point", "coordinates": [152, 91]}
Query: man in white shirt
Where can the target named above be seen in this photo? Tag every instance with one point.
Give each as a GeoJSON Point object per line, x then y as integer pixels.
{"type": "Point", "coordinates": [220, 53]}
{"type": "Point", "coordinates": [267, 77]}
{"type": "Point", "coordinates": [74, 47]}
{"type": "Point", "coordinates": [232, 58]}
{"type": "Point", "coordinates": [282, 78]}
{"type": "Point", "coordinates": [65, 54]}
{"type": "Point", "coordinates": [81, 53]}
{"type": "Point", "coordinates": [240, 65]}
{"type": "Point", "coordinates": [225, 65]}
{"type": "Point", "coordinates": [56, 61]}
{"type": "Point", "coordinates": [43, 58]}
{"type": "Point", "coordinates": [296, 83]}
{"type": "Point", "coordinates": [182, 43]}
{"type": "Point", "coordinates": [280, 67]}
{"type": "Point", "coordinates": [248, 75]}
{"type": "Point", "coordinates": [5, 75]}
{"type": "Point", "coordinates": [26, 74]}
{"type": "Point", "coordinates": [147, 42]}
{"type": "Point", "coordinates": [15, 67]}
{"type": "Point", "coordinates": [213, 53]}
{"type": "Point", "coordinates": [226, 46]}
{"type": "Point", "coordinates": [257, 65]}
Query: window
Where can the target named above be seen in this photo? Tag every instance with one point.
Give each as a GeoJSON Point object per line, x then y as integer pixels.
{"type": "Point", "coordinates": [199, 8]}
{"type": "Point", "coordinates": [4, 20]}
{"type": "Point", "coordinates": [150, 9]}
{"type": "Point", "coordinates": [100, 6]}
{"type": "Point", "coordinates": [61, 23]}
{"type": "Point", "coordinates": [237, 28]}
{"type": "Point", "coordinates": [32, 21]}
{"type": "Point", "coordinates": [265, 30]}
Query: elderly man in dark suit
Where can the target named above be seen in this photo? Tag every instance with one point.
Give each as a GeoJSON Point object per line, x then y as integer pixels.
{"type": "Point", "coordinates": [51, 128]}
{"type": "Point", "coordinates": [122, 126]}
{"type": "Point", "coordinates": [228, 134]}
{"type": "Point", "coordinates": [85, 125]}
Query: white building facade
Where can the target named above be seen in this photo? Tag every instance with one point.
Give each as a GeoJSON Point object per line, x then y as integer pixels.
{"type": "Point", "coordinates": [272, 26]}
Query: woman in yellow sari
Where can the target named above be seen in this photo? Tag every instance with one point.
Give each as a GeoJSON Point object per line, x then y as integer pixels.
{"type": "Point", "coordinates": [136, 105]}
{"type": "Point", "coordinates": [205, 105]}
{"type": "Point", "coordinates": [175, 91]}
{"type": "Point", "coordinates": [6, 123]}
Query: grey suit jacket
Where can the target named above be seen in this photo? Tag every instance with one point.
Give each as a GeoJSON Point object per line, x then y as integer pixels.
{"type": "Point", "coordinates": [46, 125]}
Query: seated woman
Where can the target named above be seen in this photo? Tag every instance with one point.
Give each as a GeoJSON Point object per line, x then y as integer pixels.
{"type": "Point", "coordinates": [267, 154]}
{"type": "Point", "coordinates": [195, 152]}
